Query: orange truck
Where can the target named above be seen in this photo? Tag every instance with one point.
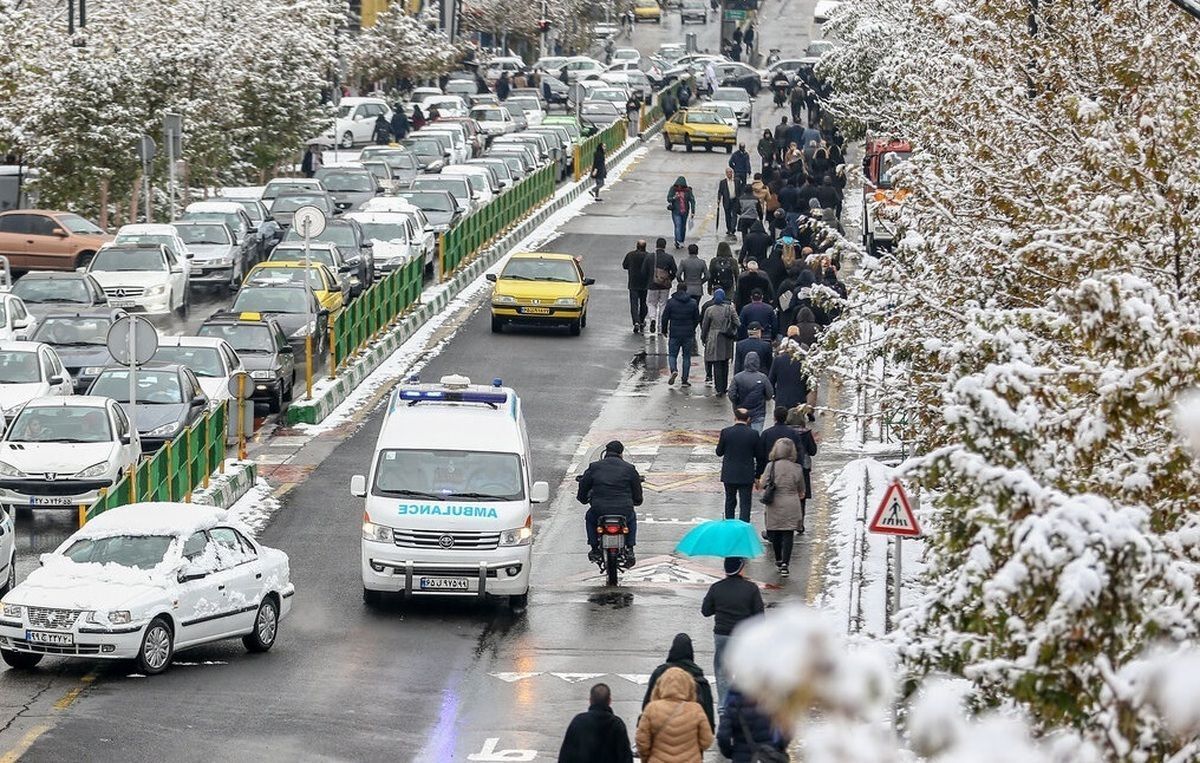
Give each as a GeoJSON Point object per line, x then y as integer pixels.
{"type": "Point", "coordinates": [880, 196]}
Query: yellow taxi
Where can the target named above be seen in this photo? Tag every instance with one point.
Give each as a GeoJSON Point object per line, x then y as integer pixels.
{"type": "Point", "coordinates": [698, 127]}
{"type": "Point", "coordinates": [325, 285]}
{"type": "Point", "coordinates": [540, 288]}
{"type": "Point", "coordinates": [647, 10]}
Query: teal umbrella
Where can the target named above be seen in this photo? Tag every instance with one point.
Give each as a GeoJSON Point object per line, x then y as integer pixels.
{"type": "Point", "coordinates": [724, 537]}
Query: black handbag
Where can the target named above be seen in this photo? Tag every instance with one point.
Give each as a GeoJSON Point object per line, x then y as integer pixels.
{"type": "Point", "coordinates": [768, 491]}
{"type": "Point", "coordinates": [761, 753]}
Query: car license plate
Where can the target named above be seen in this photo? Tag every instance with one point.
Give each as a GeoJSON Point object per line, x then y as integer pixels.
{"type": "Point", "coordinates": [535, 310]}
{"type": "Point", "coordinates": [121, 302]}
{"type": "Point", "coordinates": [42, 637]}
{"type": "Point", "coordinates": [54, 500]}
{"type": "Point", "coordinates": [447, 584]}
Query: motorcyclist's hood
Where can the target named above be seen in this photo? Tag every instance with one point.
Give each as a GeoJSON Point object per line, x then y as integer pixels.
{"type": "Point", "coordinates": [752, 362]}
{"type": "Point", "coordinates": [675, 684]}
{"type": "Point", "coordinates": [681, 649]}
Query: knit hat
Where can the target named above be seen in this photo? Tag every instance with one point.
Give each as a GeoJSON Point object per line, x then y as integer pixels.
{"type": "Point", "coordinates": [719, 297]}
{"type": "Point", "coordinates": [734, 565]}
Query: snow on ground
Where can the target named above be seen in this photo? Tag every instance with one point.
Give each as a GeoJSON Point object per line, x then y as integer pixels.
{"type": "Point", "coordinates": [256, 507]}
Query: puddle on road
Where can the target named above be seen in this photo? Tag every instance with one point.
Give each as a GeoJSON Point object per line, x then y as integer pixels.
{"type": "Point", "coordinates": [612, 599]}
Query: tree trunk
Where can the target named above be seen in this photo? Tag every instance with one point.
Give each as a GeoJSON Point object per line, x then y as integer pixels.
{"type": "Point", "coordinates": [134, 197]}
{"type": "Point", "coordinates": [104, 204]}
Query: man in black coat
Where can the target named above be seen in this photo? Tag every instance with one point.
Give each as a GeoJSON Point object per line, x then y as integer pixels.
{"type": "Point", "coordinates": [612, 486]}
{"type": "Point", "coordinates": [598, 735]}
{"type": "Point", "coordinates": [756, 245]}
{"type": "Point", "coordinates": [750, 281]}
{"type": "Point", "coordinates": [680, 318]}
{"type": "Point", "coordinates": [781, 431]}
{"type": "Point", "coordinates": [829, 196]}
{"type": "Point", "coordinates": [660, 270]}
{"type": "Point", "coordinates": [738, 448]}
{"type": "Point", "coordinates": [634, 264]}
{"type": "Point", "coordinates": [787, 376]}
{"type": "Point", "coordinates": [727, 200]}
{"type": "Point", "coordinates": [753, 342]}
{"type": "Point", "coordinates": [400, 125]}
{"type": "Point", "coordinates": [729, 601]}
{"type": "Point", "coordinates": [682, 655]}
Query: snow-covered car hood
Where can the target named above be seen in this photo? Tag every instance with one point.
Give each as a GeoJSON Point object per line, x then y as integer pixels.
{"type": "Point", "coordinates": [63, 584]}
{"type": "Point", "coordinates": [130, 277]}
{"type": "Point", "coordinates": [63, 458]}
{"type": "Point", "coordinates": [206, 252]}
{"type": "Point", "coordinates": [12, 395]}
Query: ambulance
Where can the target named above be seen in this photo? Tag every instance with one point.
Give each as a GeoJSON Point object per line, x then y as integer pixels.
{"type": "Point", "coordinates": [448, 500]}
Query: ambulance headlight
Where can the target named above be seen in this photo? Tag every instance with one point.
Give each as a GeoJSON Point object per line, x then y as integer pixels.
{"type": "Point", "coordinates": [377, 533]}
{"type": "Point", "coordinates": [520, 536]}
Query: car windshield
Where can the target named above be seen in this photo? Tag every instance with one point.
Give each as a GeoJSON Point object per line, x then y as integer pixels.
{"type": "Point", "coordinates": [143, 238]}
{"type": "Point", "coordinates": [271, 299]}
{"type": "Point", "coordinates": [379, 170]}
{"type": "Point", "coordinates": [77, 224]}
{"type": "Point", "coordinates": [477, 182]}
{"type": "Point", "coordinates": [292, 202]}
{"type": "Point", "coordinates": [121, 260]}
{"type": "Point", "coordinates": [73, 330]}
{"type": "Point", "coordinates": [204, 234]}
{"type": "Point", "coordinates": [608, 95]}
{"type": "Point", "coordinates": [36, 290]}
{"type": "Point", "coordinates": [268, 274]}
{"type": "Point", "coordinates": [488, 115]}
{"type": "Point", "coordinates": [703, 118]}
{"type": "Point", "coordinates": [606, 108]}
{"type": "Point", "coordinates": [425, 148]}
{"type": "Point", "coordinates": [528, 104]}
{"type": "Point", "coordinates": [538, 269]}
{"type": "Point", "coordinates": [735, 94]}
{"type": "Point", "coordinates": [341, 180]}
{"type": "Point", "coordinates": [457, 188]}
{"type": "Point", "coordinates": [449, 475]}
{"type": "Point", "coordinates": [230, 219]}
{"type": "Point", "coordinates": [344, 111]}
{"type": "Point", "coordinates": [890, 161]}
{"type": "Point", "coordinates": [273, 189]}
{"type": "Point", "coordinates": [60, 423]}
{"type": "Point", "coordinates": [252, 209]}
{"type": "Point", "coordinates": [204, 361]}
{"type": "Point", "coordinates": [142, 552]}
{"type": "Point", "coordinates": [436, 202]}
{"type": "Point", "coordinates": [386, 231]}
{"type": "Point", "coordinates": [336, 232]}
{"type": "Point", "coordinates": [296, 254]}
{"type": "Point", "coordinates": [154, 387]}
{"type": "Point", "coordinates": [243, 337]}
{"type": "Point", "coordinates": [19, 367]}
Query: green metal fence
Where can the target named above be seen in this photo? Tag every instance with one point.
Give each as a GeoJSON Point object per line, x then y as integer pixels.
{"type": "Point", "coordinates": [460, 244]}
{"type": "Point", "coordinates": [654, 111]}
{"type": "Point", "coordinates": [613, 137]}
{"type": "Point", "coordinates": [373, 311]}
{"type": "Point", "coordinates": [171, 474]}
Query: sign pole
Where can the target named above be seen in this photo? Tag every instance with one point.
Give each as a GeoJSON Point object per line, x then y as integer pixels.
{"type": "Point", "coordinates": [308, 339]}
{"type": "Point", "coordinates": [241, 421]}
{"type": "Point", "coordinates": [899, 578]}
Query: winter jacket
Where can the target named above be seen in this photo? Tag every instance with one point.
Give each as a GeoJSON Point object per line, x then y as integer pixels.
{"type": "Point", "coordinates": [730, 601]}
{"type": "Point", "coordinates": [681, 316]}
{"type": "Point", "coordinates": [737, 445]}
{"type": "Point", "coordinates": [659, 260]}
{"type": "Point", "coordinates": [788, 378]}
{"type": "Point", "coordinates": [772, 435]}
{"type": "Point", "coordinates": [747, 283]}
{"type": "Point", "coordinates": [756, 244]}
{"type": "Point", "coordinates": [610, 483]}
{"type": "Point", "coordinates": [760, 313]}
{"type": "Point", "coordinates": [785, 511]}
{"type": "Point", "coordinates": [740, 162]}
{"type": "Point", "coordinates": [750, 344]}
{"type": "Point", "coordinates": [738, 716]}
{"type": "Point", "coordinates": [399, 124]}
{"type": "Point", "coordinates": [597, 736]}
{"type": "Point", "coordinates": [680, 199]}
{"type": "Point", "coordinates": [682, 655]}
{"type": "Point", "coordinates": [503, 88]}
{"type": "Point", "coordinates": [634, 263]}
{"type": "Point", "coordinates": [807, 323]}
{"type": "Point", "coordinates": [693, 274]}
{"type": "Point", "coordinates": [599, 166]}
{"type": "Point", "coordinates": [723, 274]}
{"type": "Point", "coordinates": [766, 149]}
{"type": "Point", "coordinates": [673, 727]}
{"type": "Point", "coordinates": [751, 389]}
{"type": "Point", "coordinates": [718, 328]}
{"type": "Point", "coordinates": [382, 132]}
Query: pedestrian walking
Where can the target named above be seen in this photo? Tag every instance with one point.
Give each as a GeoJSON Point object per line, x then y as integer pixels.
{"type": "Point", "coordinates": [748, 40]}
{"type": "Point", "coordinates": [758, 312]}
{"type": "Point", "coordinates": [710, 77]}
{"type": "Point", "coordinates": [740, 162]}
{"type": "Point", "coordinates": [737, 445]}
{"type": "Point", "coordinates": [723, 271]}
{"type": "Point", "coordinates": [727, 201]}
{"type": "Point", "coordinates": [683, 656]}
{"type": "Point", "coordinates": [693, 272]}
{"type": "Point", "coordinates": [783, 497]}
{"type": "Point", "coordinates": [669, 104]}
{"type": "Point", "coordinates": [680, 318]}
{"type": "Point", "coordinates": [634, 264]}
{"type": "Point", "coordinates": [753, 342]}
{"type": "Point", "coordinates": [503, 87]}
{"type": "Point", "coordinates": [756, 245]}
{"type": "Point", "coordinates": [747, 734]}
{"type": "Point", "coordinates": [659, 270]}
{"type": "Point", "coordinates": [418, 118]}
{"type": "Point", "coordinates": [752, 390]}
{"type": "Point", "coordinates": [799, 418]}
{"type": "Point", "coordinates": [791, 383]}
{"type": "Point", "coordinates": [682, 204]}
{"type": "Point", "coordinates": [766, 149]}
{"type": "Point", "coordinates": [750, 281]}
{"type": "Point", "coordinates": [673, 727]}
{"type": "Point", "coordinates": [718, 329]}
{"type": "Point", "coordinates": [311, 161]}
{"type": "Point", "coordinates": [382, 132]}
{"type": "Point", "coordinates": [599, 170]}
{"type": "Point", "coordinates": [399, 124]}
{"type": "Point", "coordinates": [633, 114]}
{"type": "Point", "coordinates": [597, 735]}
{"type": "Point", "coordinates": [781, 131]}
{"type": "Point", "coordinates": [729, 601]}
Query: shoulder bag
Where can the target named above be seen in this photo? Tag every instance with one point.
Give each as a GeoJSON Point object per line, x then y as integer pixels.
{"type": "Point", "coordinates": [761, 753]}
{"type": "Point", "coordinates": [768, 492]}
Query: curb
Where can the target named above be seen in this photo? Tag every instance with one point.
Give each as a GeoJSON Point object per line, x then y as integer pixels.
{"type": "Point", "coordinates": [225, 489]}
{"type": "Point", "coordinates": [314, 411]}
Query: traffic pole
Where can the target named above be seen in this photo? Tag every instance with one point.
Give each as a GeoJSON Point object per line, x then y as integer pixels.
{"type": "Point", "coordinates": [308, 345]}
{"type": "Point", "coordinates": [241, 418]}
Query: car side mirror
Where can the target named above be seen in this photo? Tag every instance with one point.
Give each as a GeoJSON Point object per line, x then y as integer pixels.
{"type": "Point", "coordinates": [368, 245]}
{"type": "Point", "coordinates": [81, 270]}
{"type": "Point", "coordinates": [127, 439]}
{"type": "Point", "coordinates": [490, 276]}
{"type": "Point", "coordinates": [322, 313]}
{"type": "Point", "coordinates": [61, 233]}
{"type": "Point", "coordinates": [378, 190]}
{"type": "Point", "coordinates": [358, 486]}
{"type": "Point", "coordinates": [54, 381]}
{"type": "Point", "coordinates": [20, 323]}
{"type": "Point", "coordinates": [589, 281]}
{"type": "Point", "coordinates": [190, 572]}
{"type": "Point", "coordinates": [189, 256]}
{"type": "Point", "coordinates": [199, 400]}
{"type": "Point", "coordinates": [539, 492]}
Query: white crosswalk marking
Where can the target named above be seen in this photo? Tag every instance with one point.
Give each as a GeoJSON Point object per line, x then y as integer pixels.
{"type": "Point", "coordinates": [513, 677]}
{"type": "Point", "coordinates": [641, 679]}
{"type": "Point", "coordinates": [577, 677]}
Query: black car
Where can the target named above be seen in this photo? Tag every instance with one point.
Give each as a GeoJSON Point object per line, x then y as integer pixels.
{"type": "Point", "coordinates": [295, 307]}
{"type": "Point", "coordinates": [734, 74]}
{"type": "Point", "coordinates": [439, 207]}
{"type": "Point", "coordinates": [350, 187]}
{"type": "Point", "coordinates": [168, 400]}
{"type": "Point", "coordinates": [428, 151]}
{"type": "Point", "coordinates": [263, 348]}
{"type": "Point", "coordinates": [354, 246]}
{"type": "Point", "coordinates": [45, 292]}
{"type": "Point", "coordinates": [80, 339]}
{"type": "Point", "coordinates": [269, 232]}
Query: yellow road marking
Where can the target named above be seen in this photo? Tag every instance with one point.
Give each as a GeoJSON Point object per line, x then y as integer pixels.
{"type": "Point", "coordinates": [20, 748]}
{"type": "Point", "coordinates": [67, 699]}
{"type": "Point", "coordinates": [283, 489]}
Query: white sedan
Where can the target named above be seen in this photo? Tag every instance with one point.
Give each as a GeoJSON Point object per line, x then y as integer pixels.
{"type": "Point", "coordinates": [737, 99]}
{"type": "Point", "coordinates": [143, 581]}
{"type": "Point", "coordinates": [212, 359]}
{"type": "Point", "coordinates": [8, 553]}
{"type": "Point", "coordinates": [29, 370]}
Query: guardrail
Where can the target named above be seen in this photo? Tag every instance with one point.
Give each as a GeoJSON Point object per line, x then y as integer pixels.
{"type": "Point", "coordinates": [171, 474]}
{"type": "Point", "coordinates": [374, 310]}
{"type": "Point", "coordinates": [612, 137]}
{"type": "Point", "coordinates": [464, 240]}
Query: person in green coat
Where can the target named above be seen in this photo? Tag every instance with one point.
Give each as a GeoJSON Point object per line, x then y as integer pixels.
{"type": "Point", "coordinates": [682, 204]}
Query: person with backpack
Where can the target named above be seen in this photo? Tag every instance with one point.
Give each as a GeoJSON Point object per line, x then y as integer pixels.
{"type": "Point", "coordinates": [723, 270]}
{"type": "Point", "coordinates": [747, 734]}
{"type": "Point", "coordinates": [718, 330]}
{"type": "Point", "coordinates": [659, 270]}
{"type": "Point", "coordinates": [681, 202]}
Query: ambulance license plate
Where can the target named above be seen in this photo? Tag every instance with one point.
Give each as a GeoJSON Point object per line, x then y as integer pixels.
{"type": "Point", "coordinates": [447, 584]}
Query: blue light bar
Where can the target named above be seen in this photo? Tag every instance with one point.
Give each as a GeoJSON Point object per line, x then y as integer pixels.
{"type": "Point", "coordinates": [497, 382]}
{"type": "Point", "coordinates": [453, 396]}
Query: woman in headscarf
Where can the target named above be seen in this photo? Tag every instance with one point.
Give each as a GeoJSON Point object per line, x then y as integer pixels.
{"type": "Point", "coordinates": [599, 170]}
{"type": "Point", "coordinates": [718, 332]}
{"type": "Point", "coordinates": [682, 204]}
{"type": "Point", "coordinates": [418, 118]}
{"type": "Point", "coordinates": [785, 513]}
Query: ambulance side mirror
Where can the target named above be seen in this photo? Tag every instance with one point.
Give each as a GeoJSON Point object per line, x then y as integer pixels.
{"type": "Point", "coordinates": [358, 486]}
{"type": "Point", "coordinates": [540, 493]}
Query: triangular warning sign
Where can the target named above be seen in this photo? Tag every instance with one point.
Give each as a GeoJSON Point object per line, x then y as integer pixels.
{"type": "Point", "coordinates": [894, 515]}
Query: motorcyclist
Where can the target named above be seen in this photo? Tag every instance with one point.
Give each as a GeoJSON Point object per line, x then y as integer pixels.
{"type": "Point", "coordinates": [612, 486]}
{"type": "Point", "coordinates": [780, 84]}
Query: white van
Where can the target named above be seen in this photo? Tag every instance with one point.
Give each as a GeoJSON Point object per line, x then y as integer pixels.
{"type": "Point", "coordinates": [448, 506]}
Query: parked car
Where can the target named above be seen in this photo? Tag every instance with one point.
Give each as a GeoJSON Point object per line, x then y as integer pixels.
{"type": "Point", "coordinates": [600, 114]}
{"type": "Point", "coordinates": [439, 206]}
{"type": "Point", "coordinates": [431, 157]}
{"type": "Point", "coordinates": [60, 452]}
{"type": "Point", "coordinates": [218, 257]}
{"type": "Point", "coordinates": [168, 399]}
{"type": "Point", "coordinates": [16, 322]}
{"type": "Point", "coordinates": [79, 338]}
{"type": "Point", "coordinates": [333, 292]}
{"type": "Point", "coordinates": [142, 278]}
{"type": "Point", "coordinates": [459, 188]}
{"type": "Point", "coordinates": [326, 253]}
{"type": "Point", "coordinates": [201, 578]}
{"type": "Point", "coordinates": [501, 168]}
{"type": "Point", "coordinates": [460, 145]}
{"type": "Point", "coordinates": [494, 120]}
{"type": "Point", "coordinates": [264, 350]}
{"type": "Point", "coordinates": [269, 232]}
{"type": "Point", "coordinates": [45, 240]}
{"type": "Point", "coordinates": [693, 10]}
{"type": "Point", "coordinates": [461, 87]}
{"type": "Point", "coordinates": [30, 370]}
{"type": "Point", "coordinates": [354, 247]}
{"type": "Point", "coordinates": [579, 67]}
{"type": "Point", "coordinates": [211, 359]}
{"type": "Point", "coordinates": [286, 205]}
{"type": "Point", "coordinates": [349, 186]}
{"type": "Point", "coordinates": [446, 105]}
{"type": "Point", "coordinates": [297, 311]}
{"type": "Point", "coordinates": [403, 164]}
{"type": "Point", "coordinates": [45, 291]}
{"type": "Point", "coordinates": [233, 216]}
{"type": "Point", "coordinates": [156, 233]}
{"type": "Point", "coordinates": [737, 99]}
{"type": "Point", "coordinates": [274, 188]}
{"type": "Point", "coordinates": [398, 237]}
{"type": "Point", "coordinates": [355, 121]}
{"type": "Point", "coordinates": [8, 553]}
{"type": "Point", "coordinates": [479, 179]}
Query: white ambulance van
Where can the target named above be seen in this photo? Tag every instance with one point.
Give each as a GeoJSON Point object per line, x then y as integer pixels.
{"type": "Point", "coordinates": [448, 500]}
